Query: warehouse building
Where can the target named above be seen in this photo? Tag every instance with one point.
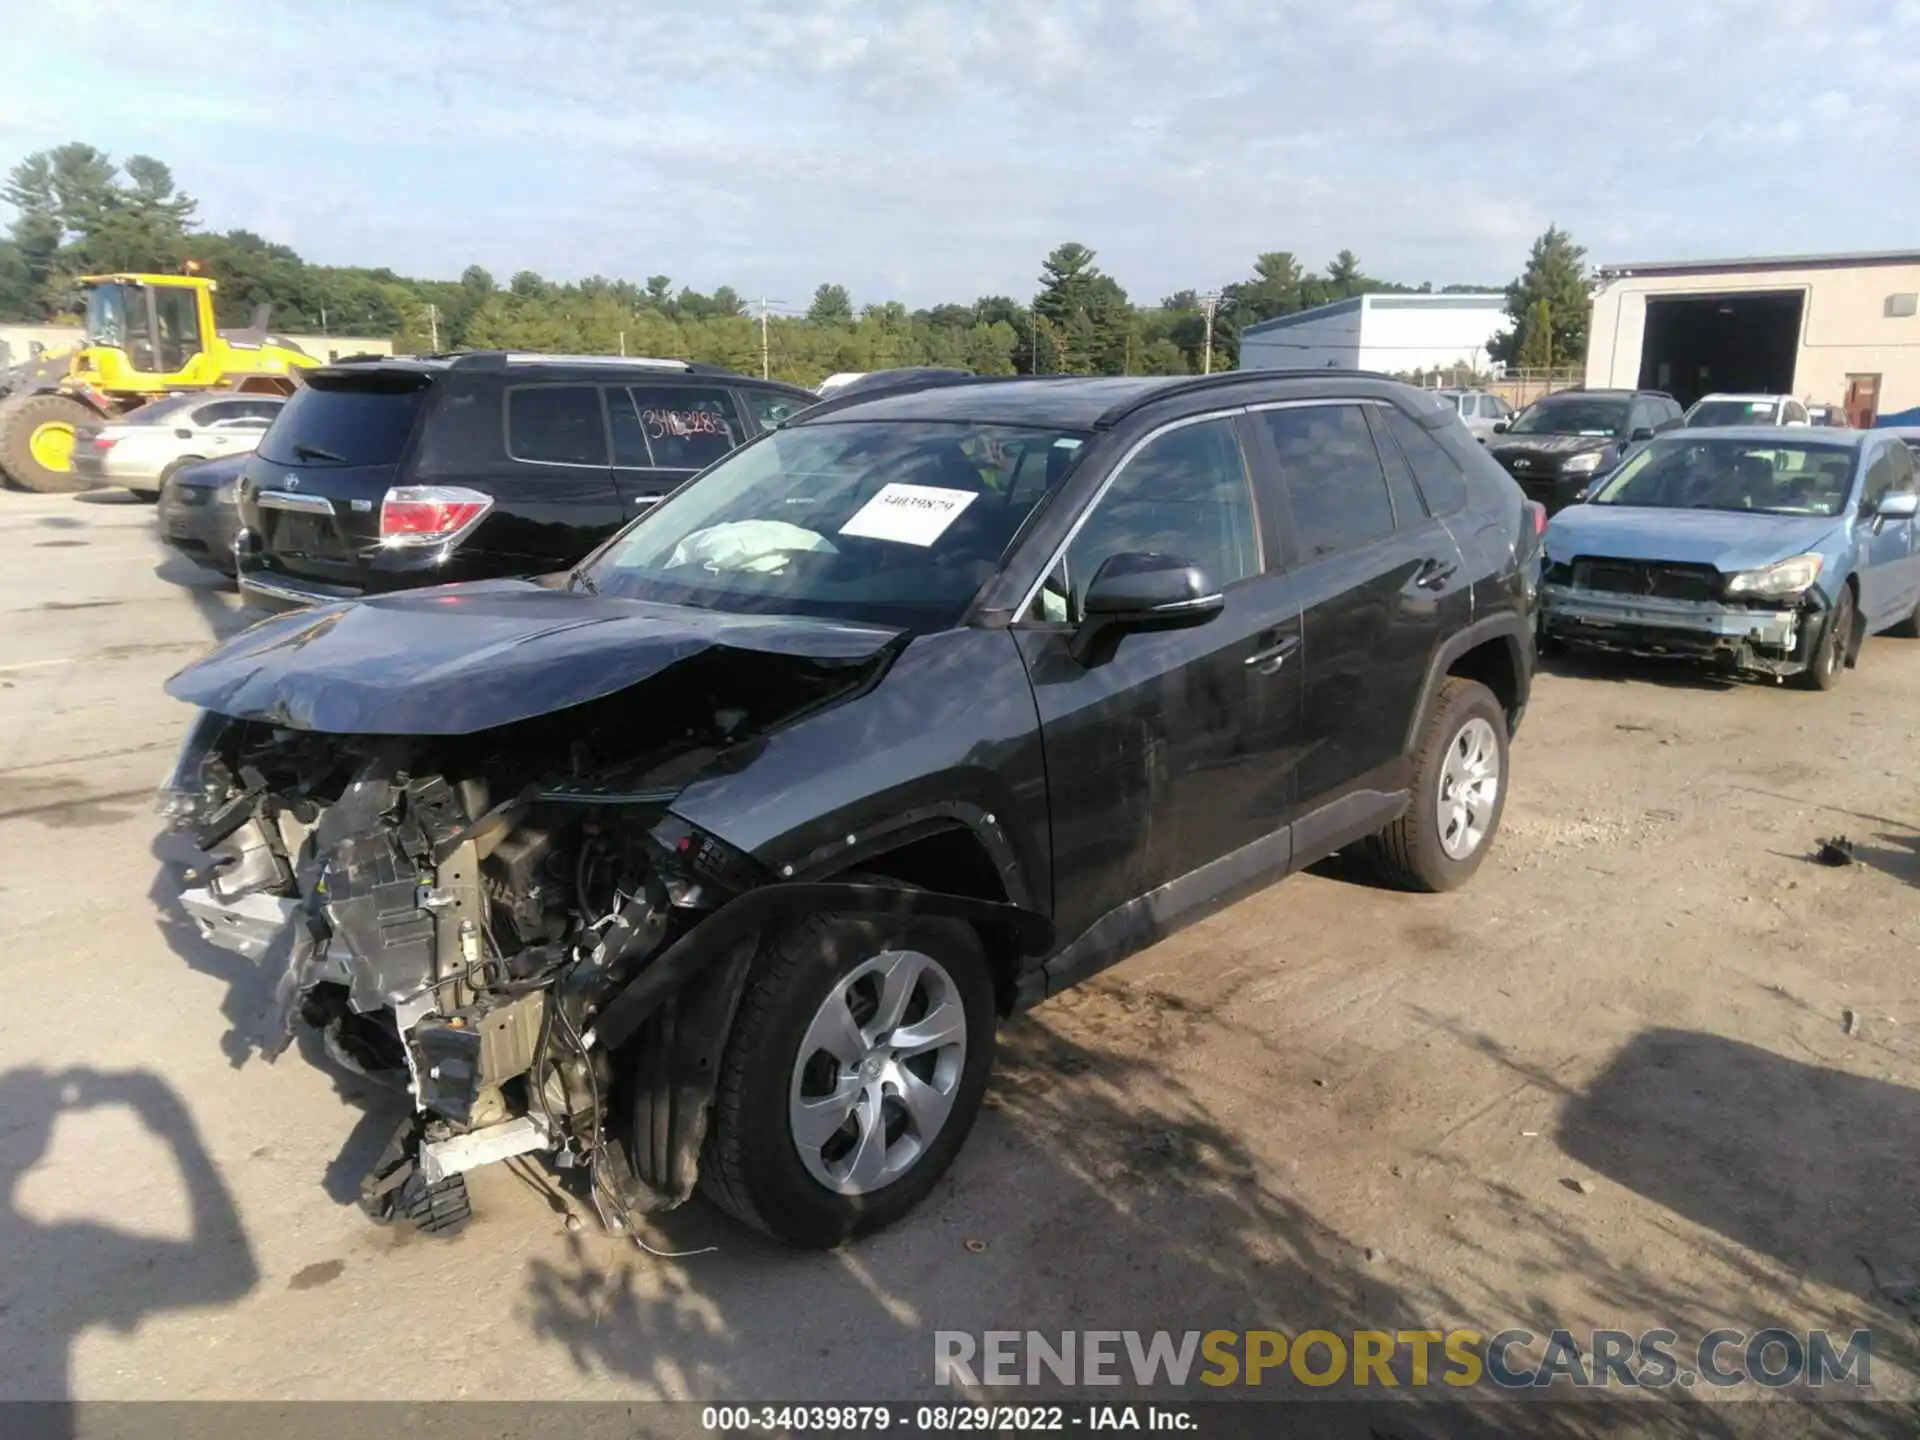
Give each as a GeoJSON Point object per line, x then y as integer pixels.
{"type": "Point", "coordinates": [1830, 329]}
{"type": "Point", "coordinates": [1392, 334]}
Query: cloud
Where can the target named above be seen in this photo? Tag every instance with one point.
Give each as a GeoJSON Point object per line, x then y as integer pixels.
{"type": "Point", "coordinates": [938, 148]}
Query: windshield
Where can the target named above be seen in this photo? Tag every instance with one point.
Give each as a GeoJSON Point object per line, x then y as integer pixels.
{"type": "Point", "coordinates": [1575, 415]}
{"type": "Point", "coordinates": [362, 425]}
{"type": "Point", "coordinates": [886, 523]}
{"type": "Point", "coordinates": [1723, 474]}
{"type": "Point", "coordinates": [1733, 412]}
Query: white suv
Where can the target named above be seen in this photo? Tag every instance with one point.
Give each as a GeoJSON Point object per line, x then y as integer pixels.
{"type": "Point", "coordinates": [1746, 410]}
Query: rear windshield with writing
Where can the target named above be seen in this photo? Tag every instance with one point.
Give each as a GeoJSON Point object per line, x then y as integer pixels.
{"type": "Point", "coordinates": [343, 427]}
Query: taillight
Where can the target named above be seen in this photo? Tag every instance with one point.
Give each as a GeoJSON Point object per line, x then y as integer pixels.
{"type": "Point", "coordinates": [104, 443]}
{"type": "Point", "coordinates": [430, 514]}
{"type": "Point", "coordinates": [1539, 516]}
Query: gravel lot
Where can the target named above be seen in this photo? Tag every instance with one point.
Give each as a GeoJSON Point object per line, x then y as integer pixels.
{"type": "Point", "coordinates": [1613, 1083]}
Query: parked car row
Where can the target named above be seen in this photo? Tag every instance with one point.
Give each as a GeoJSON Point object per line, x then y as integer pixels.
{"type": "Point", "coordinates": [706, 846]}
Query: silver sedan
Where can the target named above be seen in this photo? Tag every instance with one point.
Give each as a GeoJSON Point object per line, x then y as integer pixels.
{"type": "Point", "coordinates": [140, 450]}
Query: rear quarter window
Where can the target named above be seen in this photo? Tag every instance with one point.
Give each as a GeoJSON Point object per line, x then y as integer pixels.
{"type": "Point", "coordinates": [556, 425]}
{"type": "Point", "coordinates": [1434, 471]}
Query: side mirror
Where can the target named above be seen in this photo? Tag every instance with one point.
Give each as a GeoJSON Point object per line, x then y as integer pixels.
{"type": "Point", "coordinates": [1640, 432]}
{"type": "Point", "coordinates": [1138, 591]}
{"type": "Point", "coordinates": [1894, 505]}
{"type": "Point", "coordinates": [1500, 427]}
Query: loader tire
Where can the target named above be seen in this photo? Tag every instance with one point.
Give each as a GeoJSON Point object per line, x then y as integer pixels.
{"type": "Point", "coordinates": [36, 441]}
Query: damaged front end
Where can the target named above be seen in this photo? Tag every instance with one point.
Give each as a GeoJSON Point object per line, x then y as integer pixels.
{"type": "Point", "coordinates": [458, 914]}
{"type": "Point", "coordinates": [1662, 610]}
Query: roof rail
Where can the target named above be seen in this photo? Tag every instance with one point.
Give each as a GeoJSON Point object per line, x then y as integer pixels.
{"type": "Point", "coordinates": [1224, 380]}
{"type": "Point", "coordinates": [502, 359]}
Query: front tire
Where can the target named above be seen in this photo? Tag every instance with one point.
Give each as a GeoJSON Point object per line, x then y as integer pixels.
{"type": "Point", "coordinates": [1459, 793]}
{"type": "Point", "coordinates": [856, 1067]}
{"type": "Point", "coordinates": [1828, 663]}
{"type": "Point", "coordinates": [36, 441]}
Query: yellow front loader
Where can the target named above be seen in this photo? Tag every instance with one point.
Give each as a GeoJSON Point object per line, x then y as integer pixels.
{"type": "Point", "coordinates": [146, 336]}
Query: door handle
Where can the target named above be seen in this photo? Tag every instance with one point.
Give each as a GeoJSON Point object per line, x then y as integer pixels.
{"type": "Point", "coordinates": [1269, 660]}
{"type": "Point", "coordinates": [1435, 573]}
{"type": "Point", "coordinates": [646, 499]}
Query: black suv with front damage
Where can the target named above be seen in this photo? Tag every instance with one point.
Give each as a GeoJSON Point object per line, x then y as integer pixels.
{"type": "Point", "coordinates": [719, 858]}
{"type": "Point", "coordinates": [1560, 445]}
{"type": "Point", "coordinates": [391, 473]}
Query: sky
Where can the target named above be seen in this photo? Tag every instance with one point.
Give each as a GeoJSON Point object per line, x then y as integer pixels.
{"type": "Point", "coordinates": [933, 150]}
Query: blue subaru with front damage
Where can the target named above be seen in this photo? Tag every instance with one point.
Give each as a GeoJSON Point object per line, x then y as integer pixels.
{"type": "Point", "coordinates": [1759, 550]}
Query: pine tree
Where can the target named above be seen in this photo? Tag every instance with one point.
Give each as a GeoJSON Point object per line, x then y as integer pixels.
{"type": "Point", "coordinates": [1553, 289]}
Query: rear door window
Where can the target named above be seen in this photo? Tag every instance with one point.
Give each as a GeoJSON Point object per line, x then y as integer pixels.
{"type": "Point", "coordinates": [1335, 486]}
{"type": "Point", "coordinates": [360, 425]}
{"type": "Point", "coordinates": [556, 425]}
{"type": "Point", "coordinates": [687, 427]}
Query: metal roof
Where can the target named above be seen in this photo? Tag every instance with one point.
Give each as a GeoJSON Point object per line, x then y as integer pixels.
{"type": "Point", "coordinates": [1380, 300]}
{"type": "Point", "coordinates": [1837, 260]}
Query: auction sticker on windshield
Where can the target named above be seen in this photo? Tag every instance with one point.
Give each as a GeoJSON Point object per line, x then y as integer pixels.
{"type": "Point", "coordinates": [909, 514]}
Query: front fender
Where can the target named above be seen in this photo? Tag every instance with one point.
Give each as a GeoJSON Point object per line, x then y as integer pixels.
{"type": "Point", "coordinates": [949, 736]}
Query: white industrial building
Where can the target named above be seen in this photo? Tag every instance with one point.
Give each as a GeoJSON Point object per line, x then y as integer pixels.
{"type": "Point", "coordinates": [1831, 329]}
{"type": "Point", "coordinates": [1392, 334]}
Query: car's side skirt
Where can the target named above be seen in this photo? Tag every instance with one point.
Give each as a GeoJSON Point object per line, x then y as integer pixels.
{"type": "Point", "coordinates": [1127, 929]}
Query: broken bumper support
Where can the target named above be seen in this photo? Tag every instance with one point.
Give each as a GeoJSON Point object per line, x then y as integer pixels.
{"type": "Point", "coordinates": [1766, 640]}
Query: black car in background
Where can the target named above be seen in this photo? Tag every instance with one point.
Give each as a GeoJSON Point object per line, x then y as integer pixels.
{"type": "Point", "coordinates": [199, 515]}
{"type": "Point", "coordinates": [718, 860]}
{"type": "Point", "coordinates": [1560, 444]}
{"type": "Point", "coordinates": [391, 473]}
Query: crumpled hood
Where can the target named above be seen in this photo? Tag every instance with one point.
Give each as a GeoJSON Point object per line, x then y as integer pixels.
{"type": "Point", "coordinates": [1728, 540]}
{"type": "Point", "coordinates": [462, 658]}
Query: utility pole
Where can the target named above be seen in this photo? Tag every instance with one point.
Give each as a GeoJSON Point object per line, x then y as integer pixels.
{"type": "Point", "coordinates": [1209, 303]}
{"type": "Point", "coordinates": [433, 327]}
{"type": "Point", "coordinates": [623, 343]}
{"type": "Point", "coordinates": [766, 366]}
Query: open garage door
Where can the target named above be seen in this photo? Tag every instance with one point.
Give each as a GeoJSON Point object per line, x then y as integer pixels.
{"type": "Point", "coordinates": [1696, 344]}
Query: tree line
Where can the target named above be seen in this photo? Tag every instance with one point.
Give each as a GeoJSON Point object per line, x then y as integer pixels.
{"type": "Point", "coordinates": [78, 212]}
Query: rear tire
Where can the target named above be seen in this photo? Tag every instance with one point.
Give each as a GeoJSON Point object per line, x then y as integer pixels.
{"type": "Point", "coordinates": [824, 977]}
{"type": "Point", "coordinates": [30, 430]}
{"type": "Point", "coordinates": [1828, 663]}
{"type": "Point", "coordinates": [1454, 814]}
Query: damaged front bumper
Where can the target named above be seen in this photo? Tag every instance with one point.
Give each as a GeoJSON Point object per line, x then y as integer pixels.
{"type": "Point", "coordinates": [1770, 640]}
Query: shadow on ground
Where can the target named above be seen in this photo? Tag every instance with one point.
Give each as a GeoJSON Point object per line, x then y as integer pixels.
{"type": "Point", "coordinates": [1100, 1193]}
{"type": "Point", "coordinates": [61, 1278]}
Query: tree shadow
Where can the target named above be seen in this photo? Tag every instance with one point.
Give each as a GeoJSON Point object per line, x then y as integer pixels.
{"type": "Point", "coordinates": [1810, 1165]}
{"type": "Point", "coordinates": [1099, 1191]}
{"type": "Point", "coordinates": [59, 1279]}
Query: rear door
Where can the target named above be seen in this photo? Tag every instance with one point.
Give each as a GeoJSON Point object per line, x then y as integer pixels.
{"type": "Point", "coordinates": [230, 427]}
{"type": "Point", "coordinates": [664, 434]}
{"type": "Point", "coordinates": [1379, 581]}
